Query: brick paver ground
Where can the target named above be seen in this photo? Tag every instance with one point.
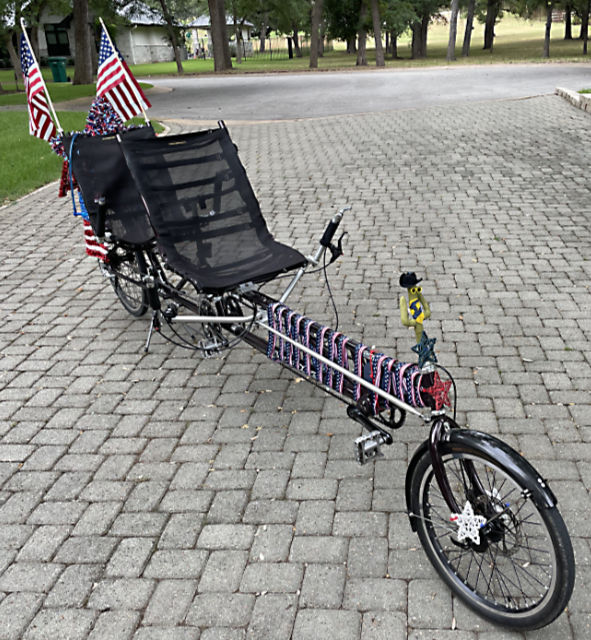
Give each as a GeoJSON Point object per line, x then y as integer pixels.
{"type": "Point", "coordinates": [162, 496]}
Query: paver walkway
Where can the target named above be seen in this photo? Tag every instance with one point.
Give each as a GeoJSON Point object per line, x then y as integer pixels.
{"type": "Point", "coordinates": [162, 496]}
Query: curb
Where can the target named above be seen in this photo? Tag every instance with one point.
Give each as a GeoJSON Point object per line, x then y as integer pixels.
{"type": "Point", "coordinates": [579, 100]}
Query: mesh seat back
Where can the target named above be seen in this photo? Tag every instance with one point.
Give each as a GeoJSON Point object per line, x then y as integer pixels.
{"type": "Point", "coordinates": [100, 170]}
{"type": "Point", "coordinates": [203, 208]}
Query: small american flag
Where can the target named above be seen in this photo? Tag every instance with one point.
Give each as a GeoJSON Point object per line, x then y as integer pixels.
{"type": "Point", "coordinates": [115, 82]}
{"type": "Point", "coordinates": [40, 123]}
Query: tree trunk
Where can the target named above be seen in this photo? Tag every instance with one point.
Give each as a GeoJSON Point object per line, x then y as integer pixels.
{"type": "Point", "coordinates": [394, 44]}
{"type": "Point", "coordinates": [34, 39]}
{"type": "Point", "coordinates": [352, 45]}
{"type": "Point", "coordinates": [263, 38]}
{"type": "Point", "coordinates": [585, 26]}
{"type": "Point", "coordinates": [83, 59]}
{"type": "Point", "coordinates": [416, 47]}
{"type": "Point", "coordinates": [362, 37]}
{"type": "Point", "coordinates": [469, 28]}
{"type": "Point", "coordinates": [568, 23]}
{"type": "Point", "coordinates": [453, 30]}
{"type": "Point", "coordinates": [296, 40]}
{"type": "Point", "coordinates": [424, 31]}
{"type": "Point", "coordinates": [221, 49]}
{"type": "Point", "coordinates": [546, 53]}
{"type": "Point", "coordinates": [238, 37]}
{"type": "Point", "coordinates": [14, 56]}
{"type": "Point", "coordinates": [172, 35]}
{"type": "Point", "coordinates": [377, 31]}
{"type": "Point", "coordinates": [492, 11]}
{"type": "Point", "coordinates": [315, 33]}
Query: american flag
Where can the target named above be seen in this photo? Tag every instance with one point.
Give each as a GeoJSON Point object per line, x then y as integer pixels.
{"type": "Point", "coordinates": [115, 82]}
{"type": "Point", "coordinates": [40, 123]}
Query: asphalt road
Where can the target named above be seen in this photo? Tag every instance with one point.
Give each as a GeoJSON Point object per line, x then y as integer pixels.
{"type": "Point", "coordinates": [305, 95]}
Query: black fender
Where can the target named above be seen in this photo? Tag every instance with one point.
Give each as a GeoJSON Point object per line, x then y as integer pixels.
{"type": "Point", "coordinates": [493, 449]}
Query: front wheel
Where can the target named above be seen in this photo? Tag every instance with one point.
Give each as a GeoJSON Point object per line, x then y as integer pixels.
{"type": "Point", "coordinates": [518, 569]}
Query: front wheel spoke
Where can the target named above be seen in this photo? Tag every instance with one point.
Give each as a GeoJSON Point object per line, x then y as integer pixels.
{"type": "Point", "coordinates": [530, 576]}
{"type": "Point", "coordinates": [502, 584]}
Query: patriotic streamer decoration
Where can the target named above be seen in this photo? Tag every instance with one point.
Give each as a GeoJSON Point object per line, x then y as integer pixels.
{"type": "Point", "coordinates": [116, 83]}
{"type": "Point", "coordinates": [94, 248]}
{"type": "Point", "coordinates": [41, 124]}
{"type": "Point", "coordinates": [400, 379]}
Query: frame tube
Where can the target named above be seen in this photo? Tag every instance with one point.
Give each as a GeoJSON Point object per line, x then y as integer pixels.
{"type": "Point", "coordinates": [214, 319]}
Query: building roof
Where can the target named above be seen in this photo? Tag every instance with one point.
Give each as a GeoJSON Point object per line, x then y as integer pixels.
{"type": "Point", "coordinates": [140, 14]}
{"type": "Point", "coordinates": [204, 22]}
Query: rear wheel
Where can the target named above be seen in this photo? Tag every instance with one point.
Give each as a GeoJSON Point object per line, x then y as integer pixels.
{"type": "Point", "coordinates": [518, 569]}
{"type": "Point", "coordinates": [128, 270]}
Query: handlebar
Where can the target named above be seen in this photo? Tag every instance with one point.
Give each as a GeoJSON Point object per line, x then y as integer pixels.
{"type": "Point", "coordinates": [332, 227]}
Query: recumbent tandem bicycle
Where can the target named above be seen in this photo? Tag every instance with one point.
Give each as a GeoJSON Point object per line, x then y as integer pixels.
{"type": "Point", "coordinates": [180, 233]}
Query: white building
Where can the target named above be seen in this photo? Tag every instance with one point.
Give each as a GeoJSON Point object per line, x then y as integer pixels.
{"type": "Point", "coordinates": [145, 40]}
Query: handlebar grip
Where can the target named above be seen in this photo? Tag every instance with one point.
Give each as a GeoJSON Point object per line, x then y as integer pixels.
{"type": "Point", "coordinates": [329, 232]}
{"type": "Point", "coordinates": [101, 216]}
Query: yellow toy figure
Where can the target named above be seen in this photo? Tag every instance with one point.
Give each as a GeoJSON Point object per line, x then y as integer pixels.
{"type": "Point", "coordinates": [416, 311]}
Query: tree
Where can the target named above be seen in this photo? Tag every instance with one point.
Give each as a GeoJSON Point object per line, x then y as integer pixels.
{"type": "Point", "coordinates": [377, 32]}
{"type": "Point", "coordinates": [398, 16]}
{"type": "Point", "coordinates": [315, 33]}
{"type": "Point", "coordinates": [424, 9]}
{"type": "Point", "coordinates": [83, 68]}
{"type": "Point", "coordinates": [568, 23]}
{"type": "Point", "coordinates": [493, 13]}
{"type": "Point", "coordinates": [343, 19]}
{"type": "Point", "coordinates": [549, 6]}
{"type": "Point", "coordinates": [526, 8]}
{"type": "Point", "coordinates": [453, 30]}
{"type": "Point", "coordinates": [221, 49]}
{"type": "Point", "coordinates": [469, 27]}
{"type": "Point", "coordinates": [289, 17]}
{"type": "Point", "coordinates": [362, 36]}
{"type": "Point", "coordinates": [585, 25]}
{"type": "Point", "coordinates": [171, 28]}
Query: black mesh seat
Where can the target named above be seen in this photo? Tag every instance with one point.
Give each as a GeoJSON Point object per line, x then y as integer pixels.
{"type": "Point", "coordinates": [100, 170]}
{"type": "Point", "coordinates": [208, 223]}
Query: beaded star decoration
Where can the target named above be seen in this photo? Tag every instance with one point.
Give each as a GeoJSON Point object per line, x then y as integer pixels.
{"type": "Point", "coordinates": [439, 391]}
{"type": "Point", "coordinates": [425, 349]}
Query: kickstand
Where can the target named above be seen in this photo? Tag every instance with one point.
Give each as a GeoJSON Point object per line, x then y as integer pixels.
{"type": "Point", "coordinates": [154, 326]}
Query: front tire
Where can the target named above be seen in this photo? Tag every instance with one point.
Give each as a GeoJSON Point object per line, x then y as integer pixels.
{"type": "Point", "coordinates": [521, 574]}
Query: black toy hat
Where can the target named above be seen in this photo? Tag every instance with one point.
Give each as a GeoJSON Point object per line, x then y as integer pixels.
{"type": "Point", "coordinates": [409, 279]}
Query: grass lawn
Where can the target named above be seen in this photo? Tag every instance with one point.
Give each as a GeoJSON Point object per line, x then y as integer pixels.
{"type": "Point", "coordinates": [58, 91]}
{"type": "Point", "coordinates": [27, 162]}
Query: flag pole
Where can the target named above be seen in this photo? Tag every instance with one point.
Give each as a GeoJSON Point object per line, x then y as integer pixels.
{"type": "Point", "coordinates": [57, 122]}
{"type": "Point", "coordinates": [137, 96]}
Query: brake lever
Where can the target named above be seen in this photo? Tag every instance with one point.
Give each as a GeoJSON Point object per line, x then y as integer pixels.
{"type": "Point", "coordinates": [336, 251]}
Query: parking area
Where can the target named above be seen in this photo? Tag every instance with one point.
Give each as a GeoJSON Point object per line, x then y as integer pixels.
{"type": "Point", "coordinates": [161, 496]}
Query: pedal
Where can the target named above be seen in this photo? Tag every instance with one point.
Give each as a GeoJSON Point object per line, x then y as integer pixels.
{"type": "Point", "coordinates": [209, 348]}
{"type": "Point", "coordinates": [367, 447]}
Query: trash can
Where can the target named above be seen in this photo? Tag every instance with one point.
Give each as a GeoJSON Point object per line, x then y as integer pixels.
{"type": "Point", "coordinates": [57, 64]}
